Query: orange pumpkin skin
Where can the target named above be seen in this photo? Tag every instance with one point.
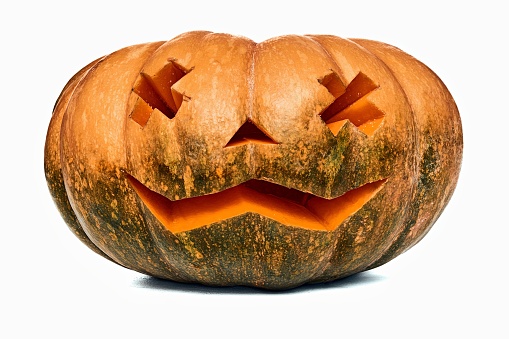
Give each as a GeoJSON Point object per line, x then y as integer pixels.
{"type": "Point", "coordinates": [210, 158]}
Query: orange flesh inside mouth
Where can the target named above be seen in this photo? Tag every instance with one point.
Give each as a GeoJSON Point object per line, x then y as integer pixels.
{"type": "Point", "coordinates": [287, 206]}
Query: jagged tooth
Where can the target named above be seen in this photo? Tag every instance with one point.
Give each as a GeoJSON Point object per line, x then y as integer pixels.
{"type": "Point", "coordinates": [336, 126]}
{"type": "Point", "coordinates": [288, 206]}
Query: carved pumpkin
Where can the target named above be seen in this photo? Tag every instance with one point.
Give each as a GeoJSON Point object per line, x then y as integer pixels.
{"type": "Point", "coordinates": [214, 159]}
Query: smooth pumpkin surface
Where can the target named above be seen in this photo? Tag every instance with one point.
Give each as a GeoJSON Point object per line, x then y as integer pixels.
{"type": "Point", "coordinates": [211, 158]}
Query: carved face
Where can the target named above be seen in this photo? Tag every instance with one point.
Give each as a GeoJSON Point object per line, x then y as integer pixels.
{"type": "Point", "coordinates": [231, 162]}
{"type": "Point", "coordinates": [186, 206]}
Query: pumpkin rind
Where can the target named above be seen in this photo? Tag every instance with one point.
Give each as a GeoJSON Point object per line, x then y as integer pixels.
{"type": "Point", "coordinates": [440, 143]}
{"type": "Point", "coordinates": [97, 139]}
{"type": "Point", "coordinates": [52, 164]}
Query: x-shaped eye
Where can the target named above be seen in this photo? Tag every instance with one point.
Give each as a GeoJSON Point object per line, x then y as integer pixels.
{"type": "Point", "coordinates": [157, 92]}
{"type": "Point", "coordinates": [351, 104]}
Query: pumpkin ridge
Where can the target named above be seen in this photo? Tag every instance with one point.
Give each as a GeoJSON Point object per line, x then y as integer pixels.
{"type": "Point", "coordinates": [338, 70]}
{"type": "Point", "coordinates": [397, 61]}
{"type": "Point", "coordinates": [170, 271]}
{"type": "Point", "coordinates": [403, 230]}
{"type": "Point", "coordinates": [412, 213]}
{"type": "Point", "coordinates": [54, 176]}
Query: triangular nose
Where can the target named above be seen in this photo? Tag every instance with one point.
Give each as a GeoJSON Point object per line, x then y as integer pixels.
{"type": "Point", "coordinates": [249, 132]}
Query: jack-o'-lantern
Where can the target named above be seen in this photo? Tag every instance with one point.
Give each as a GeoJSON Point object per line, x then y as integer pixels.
{"type": "Point", "coordinates": [211, 158]}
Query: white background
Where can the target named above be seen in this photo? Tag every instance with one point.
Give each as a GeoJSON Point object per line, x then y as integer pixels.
{"type": "Point", "coordinates": [452, 284]}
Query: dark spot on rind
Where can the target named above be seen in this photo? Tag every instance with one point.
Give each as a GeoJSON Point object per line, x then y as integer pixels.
{"type": "Point", "coordinates": [428, 166]}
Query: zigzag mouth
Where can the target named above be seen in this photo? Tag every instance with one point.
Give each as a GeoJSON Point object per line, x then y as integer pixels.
{"type": "Point", "coordinates": [288, 206]}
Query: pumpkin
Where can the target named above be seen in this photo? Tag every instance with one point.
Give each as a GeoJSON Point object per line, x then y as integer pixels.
{"type": "Point", "coordinates": [213, 159]}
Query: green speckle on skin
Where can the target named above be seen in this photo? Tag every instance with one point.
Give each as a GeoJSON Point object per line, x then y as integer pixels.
{"type": "Point", "coordinates": [127, 243]}
{"type": "Point", "coordinates": [429, 165]}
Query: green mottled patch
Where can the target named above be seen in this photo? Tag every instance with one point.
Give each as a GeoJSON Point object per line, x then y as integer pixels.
{"type": "Point", "coordinates": [128, 243]}
{"type": "Point", "coordinates": [428, 166]}
{"type": "Point", "coordinates": [58, 192]}
{"type": "Point", "coordinates": [245, 250]}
